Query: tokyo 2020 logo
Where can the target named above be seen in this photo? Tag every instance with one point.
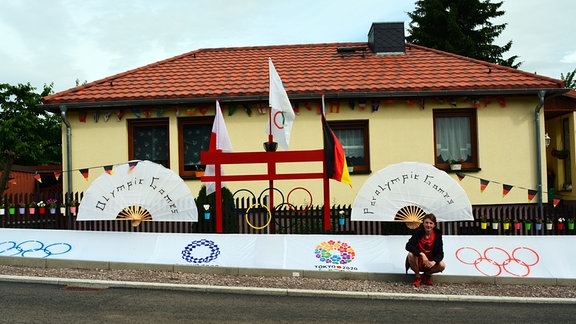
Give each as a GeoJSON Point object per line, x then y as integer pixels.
{"type": "Point", "coordinates": [335, 256]}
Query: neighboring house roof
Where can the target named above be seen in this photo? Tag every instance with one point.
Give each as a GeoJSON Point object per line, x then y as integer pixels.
{"type": "Point", "coordinates": [241, 73]}
{"type": "Point", "coordinates": [560, 105]}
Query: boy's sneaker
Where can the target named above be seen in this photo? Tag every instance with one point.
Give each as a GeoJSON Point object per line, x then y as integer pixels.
{"type": "Point", "coordinates": [417, 282]}
{"type": "Point", "coordinates": [428, 280]}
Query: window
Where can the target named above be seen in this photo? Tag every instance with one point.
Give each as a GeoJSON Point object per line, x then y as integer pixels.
{"type": "Point", "coordinates": [353, 135]}
{"type": "Point", "coordinates": [193, 137]}
{"type": "Point", "coordinates": [148, 140]}
{"type": "Point", "coordinates": [455, 136]}
{"type": "Point", "coordinates": [566, 146]}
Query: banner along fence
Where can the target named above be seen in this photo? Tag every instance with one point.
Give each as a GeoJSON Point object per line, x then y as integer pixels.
{"type": "Point", "coordinates": [286, 219]}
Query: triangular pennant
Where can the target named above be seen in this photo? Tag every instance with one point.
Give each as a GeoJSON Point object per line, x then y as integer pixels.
{"type": "Point", "coordinates": [38, 177]}
{"type": "Point", "coordinates": [352, 103]}
{"type": "Point", "coordinates": [204, 110]}
{"type": "Point", "coordinates": [531, 194]}
{"type": "Point", "coordinates": [460, 176]}
{"type": "Point", "coordinates": [120, 114]}
{"type": "Point", "coordinates": [96, 116]}
{"type": "Point", "coordinates": [147, 113]}
{"type": "Point", "coordinates": [231, 110]}
{"type": "Point", "coordinates": [82, 116]}
{"type": "Point", "coordinates": [12, 181]}
{"type": "Point", "coordinates": [132, 165]}
{"type": "Point", "coordinates": [57, 175]}
{"type": "Point", "coordinates": [556, 201]}
{"type": "Point", "coordinates": [107, 116]}
{"type": "Point", "coordinates": [108, 169]}
{"type": "Point", "coordinates": [190, 111]}
{"type": "Point", "coordinates": [136, 112]}
{"type": "Point", "coordinates": [506, 189]}
{"type": "Point", "coordinates": [296, 108]}
{"type": "Point", "coordinates": [84, 173]}
{"type": "Point", "coordinates": [483, 184]}
{"type": "Point", "coordinates": [375, 105]}
{"type": "Point", "coordinates": [248, 110]}
{"type": "Point", "coordinates": [159, 112]}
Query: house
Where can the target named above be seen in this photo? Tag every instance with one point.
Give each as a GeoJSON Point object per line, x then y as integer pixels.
{"type": "Point", "coordinates": [388, 101]}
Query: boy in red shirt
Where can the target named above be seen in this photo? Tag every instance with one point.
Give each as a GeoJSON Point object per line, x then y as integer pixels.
{"type": "Point", "coordinates": [425, 251]}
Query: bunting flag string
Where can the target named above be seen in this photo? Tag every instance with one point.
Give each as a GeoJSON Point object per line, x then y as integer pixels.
{"type": "Point", "coordinates": [506, 188]}
{"type": "Point", "coordinates": [38, 177]}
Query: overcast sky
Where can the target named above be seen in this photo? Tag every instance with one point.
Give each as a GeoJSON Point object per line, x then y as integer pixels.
{"type": "Point", "coordinates": [59, 41]}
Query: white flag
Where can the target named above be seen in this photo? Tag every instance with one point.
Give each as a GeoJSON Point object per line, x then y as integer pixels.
{"type": "Point", "coordinates": [281, 111]}
{"type": "Point", "coordinates": [219, 140]}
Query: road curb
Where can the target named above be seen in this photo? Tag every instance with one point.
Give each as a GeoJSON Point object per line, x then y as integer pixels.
{"type": "Point", "coordinates": [104, 284]}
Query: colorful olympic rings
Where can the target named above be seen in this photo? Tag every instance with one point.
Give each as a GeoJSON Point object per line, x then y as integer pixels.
{"type": "Point", "coordinates": [290, 205]}
{"type": "Point", "coordinates": [259, 227]}
{"type": "Point", "coordinates": [268, 189]}
{"type": "Point", "coordinates": [237, 211]}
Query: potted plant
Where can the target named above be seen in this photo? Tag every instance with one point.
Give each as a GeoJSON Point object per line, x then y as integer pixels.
{"type": "Point", "coordinates": [561, 223]}
{"type": "Point", "coordinates": [516, 224]}
{"type": "Point", "coordinates": [341, 218]}
{"type": "Point", "coordinates": [42, 207]}
{"type": "Point", "coordinates": [506, 223]}
{"type": "Point", "coordinates": [549, 224]}
{"type": "Point", "coordinates": [571, 224]}
{"type": "Point", "coordinates": [32, 208]}
{"type": "Point", "coordinates": [12, 208]}
{"type": "Point", "coordinates": [72, 205]}
{"type": "Point", "coordinates": [495, 223]}
{"type": "Point", "coordinates": [539, 224]}
{"type": "Point", "coordinates": [527, 224]}
{"type": "Point", "coordinates": [456, 164]}
{"type": "Point", "coordinates": [483, 222]}
{"type": "Point", "coordinates": [52, 204]}
{"type": "Point", "coordinates": [22, 208]}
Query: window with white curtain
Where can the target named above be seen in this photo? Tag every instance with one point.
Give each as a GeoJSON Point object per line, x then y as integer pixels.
{"type": "Point", "coordinates": [455, 137]}
{"type": "Point", "coordinates": [353, 135]}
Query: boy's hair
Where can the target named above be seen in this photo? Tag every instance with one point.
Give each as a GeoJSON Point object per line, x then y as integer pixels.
{"type": "Point", "coordinates": [431, 217]}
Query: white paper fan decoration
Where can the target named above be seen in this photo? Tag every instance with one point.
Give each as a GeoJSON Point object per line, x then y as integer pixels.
{"type": "Point", "coordinates": [147, 192]}
{"type": "Point", "coordinates": [407, 191]}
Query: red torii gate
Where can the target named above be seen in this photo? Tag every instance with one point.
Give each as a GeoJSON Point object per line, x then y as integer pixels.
{"type": "Point", "coordinates": [218, 158]}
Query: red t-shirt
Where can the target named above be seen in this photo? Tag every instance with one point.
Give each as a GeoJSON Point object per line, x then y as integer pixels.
{"type": "Point", "coordinates": [426, 245]}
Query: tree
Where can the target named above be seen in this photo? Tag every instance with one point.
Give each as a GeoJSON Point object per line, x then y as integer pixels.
{"type": "Point", "coordinates": [462, 27]}
{"type": "Point", "coordinates": [570, 79]}
{"type": "Point", "coordinates": [29, 135]}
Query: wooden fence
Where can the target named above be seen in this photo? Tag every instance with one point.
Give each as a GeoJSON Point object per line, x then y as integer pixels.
{"type": "Point", "coordinates": [285, 220]}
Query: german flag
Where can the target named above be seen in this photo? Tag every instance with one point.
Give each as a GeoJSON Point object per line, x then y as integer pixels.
{"type": "Point", "coordinates": [334, 156]}
{"type": "Point", "coordinates": [506, 189]}
{"type": "Point", "coordinates": [85, 173]}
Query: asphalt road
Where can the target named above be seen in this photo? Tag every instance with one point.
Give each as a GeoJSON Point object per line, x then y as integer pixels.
{"type": "Point", "coordinates": [48, 303]}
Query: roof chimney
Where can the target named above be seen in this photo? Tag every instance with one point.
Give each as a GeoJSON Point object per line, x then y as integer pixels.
{"type": "Point", "coordinates": [387, 38]}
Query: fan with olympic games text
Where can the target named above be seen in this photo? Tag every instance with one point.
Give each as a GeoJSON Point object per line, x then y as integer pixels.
{"type": "Point", "coordinates": [138, 191]}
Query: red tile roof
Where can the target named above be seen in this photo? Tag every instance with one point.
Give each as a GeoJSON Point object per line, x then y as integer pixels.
{"type": "Point", "coordinates": [311, 69]}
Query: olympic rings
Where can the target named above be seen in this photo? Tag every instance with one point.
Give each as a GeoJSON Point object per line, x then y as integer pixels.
{"type": "Point", "coordinates": [505, 262]}
{"type": "Point", "coordinates": [277, 208]}
{"type": "Point", "coordinates": [237, 211]}
{"type": "Point", "coordinates": [32, 246]}
{"type": "Point", "coordinates": [290, 205]}
{"type": "Point", "coordinates": [259, 227]}
{"type": "Point", "coordinates": [283, 120]}
{"type": "Point", "coordinates": [267, 189]}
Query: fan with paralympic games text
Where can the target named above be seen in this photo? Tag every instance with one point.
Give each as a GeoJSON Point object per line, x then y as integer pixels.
{"type": "Point", "coordinates": [407, 191]}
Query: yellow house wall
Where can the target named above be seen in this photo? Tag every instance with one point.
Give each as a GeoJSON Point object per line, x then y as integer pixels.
{"type": "Point", "coordinates": [398, 132]}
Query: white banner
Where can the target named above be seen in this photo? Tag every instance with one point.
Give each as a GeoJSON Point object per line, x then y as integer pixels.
{"type": "Point", "coordinates": [495, 256]}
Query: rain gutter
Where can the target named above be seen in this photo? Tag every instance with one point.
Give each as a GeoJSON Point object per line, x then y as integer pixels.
{"type": "Point", "coordinates": [299, 96]}
{"type": "Point", "coordinates": [63, 110]}
{"type": "Point", "coordinates": [539, 106]}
